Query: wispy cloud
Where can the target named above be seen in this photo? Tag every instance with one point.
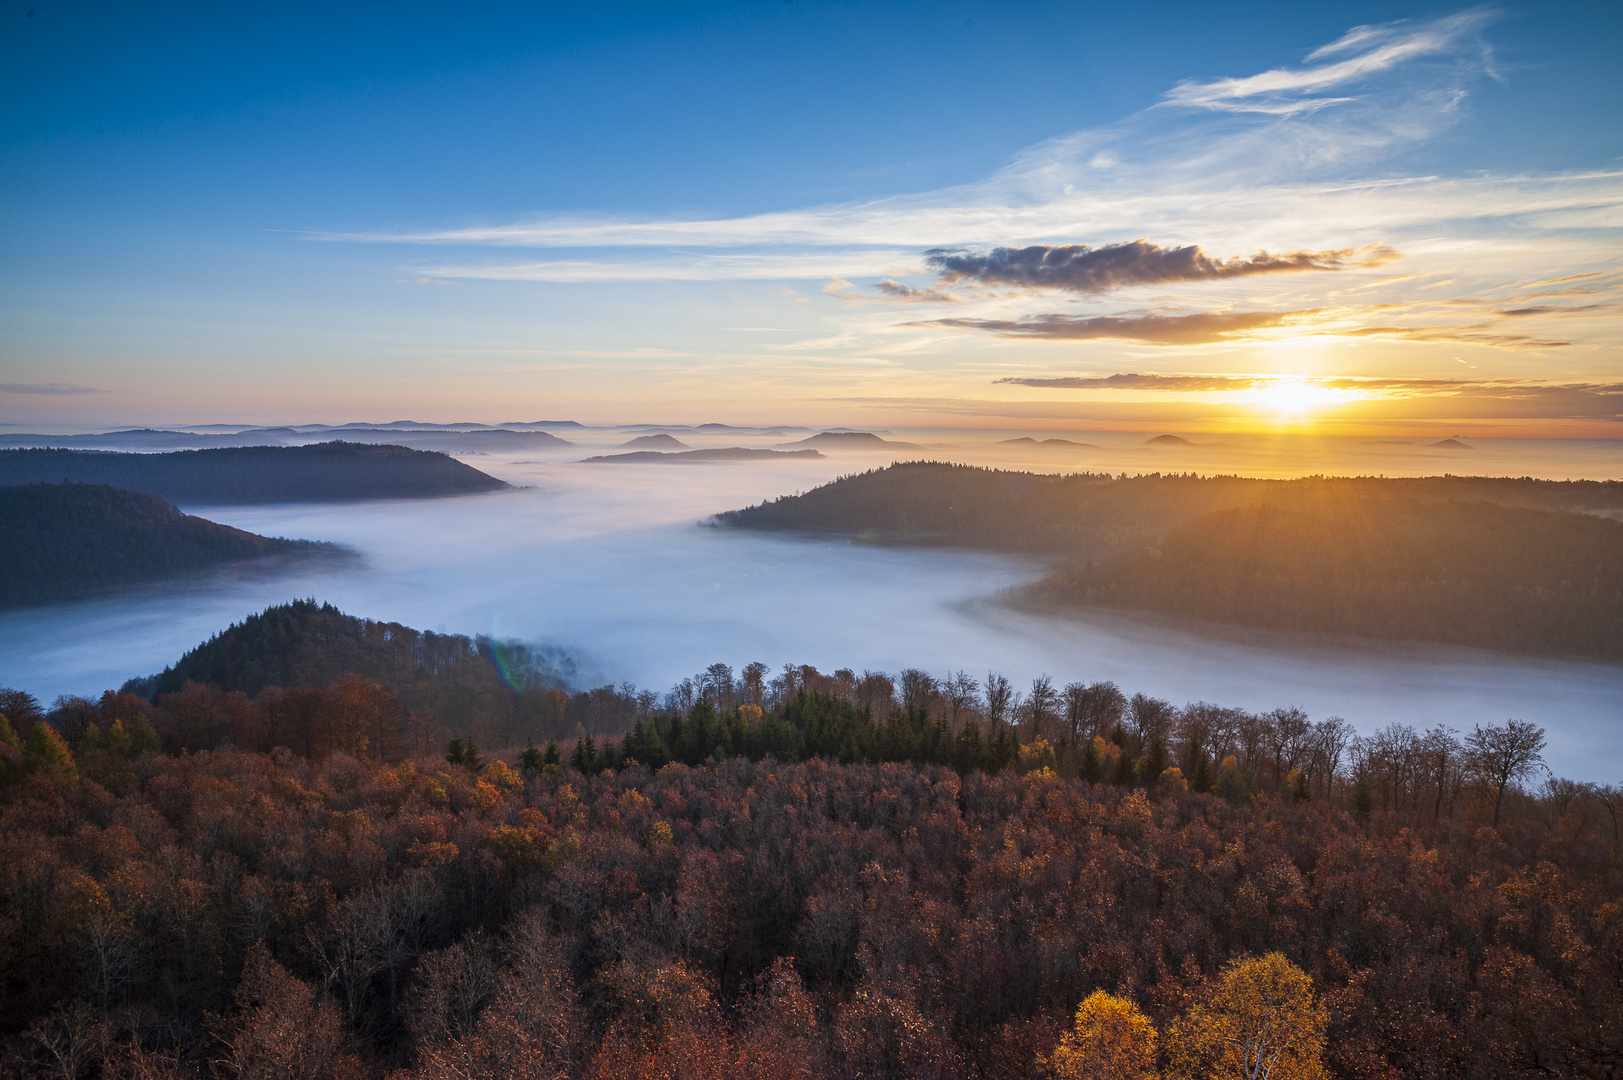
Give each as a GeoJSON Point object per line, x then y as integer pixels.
{"type": "Point", "coordinates": [1083, 269]}
{"type": "Point", "coordinates": [48, 388]}
{"type": "Point", "coordinates": [1203, 328]}
{"type": "Point", "coordinates": [896, 292]}
{"type": "Point", "coordinates": [1359, 54]}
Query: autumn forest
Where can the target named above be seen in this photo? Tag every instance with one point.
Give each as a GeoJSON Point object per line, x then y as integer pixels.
{"type": "Point", "coordinates": [319, 846]}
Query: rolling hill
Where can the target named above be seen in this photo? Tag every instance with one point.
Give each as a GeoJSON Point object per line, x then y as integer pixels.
{"type": "Point", "coordinates": [63, 541]}
{"type": "Point", "coordinates": [323, 472]}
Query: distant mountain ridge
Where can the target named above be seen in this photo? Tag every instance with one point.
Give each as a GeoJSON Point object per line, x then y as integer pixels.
{"type": "Point", "coordinates": [319, 472]}
{"type": "Point", "coordinates": [417, 436]}
{"type": "Point", "coordinates": [694, 457]}
{"type": "Point", "coordinates": [64, 541]}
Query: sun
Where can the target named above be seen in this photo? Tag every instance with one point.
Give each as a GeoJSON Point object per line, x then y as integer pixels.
{"type": "Point", "coordinates": [1297, 398]}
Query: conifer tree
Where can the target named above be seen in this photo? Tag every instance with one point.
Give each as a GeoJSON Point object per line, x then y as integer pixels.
{"type": "Point", "coordinates": [45, 752]}
{"type": "Point", "coordinates": [530, 760]}
{"type": "Point", "coordinates": [144, 737]}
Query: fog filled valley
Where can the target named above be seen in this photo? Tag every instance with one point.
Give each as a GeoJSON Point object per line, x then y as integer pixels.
{"type": "Point", "coordinates": [784, 760]}
{"type": "Point", "coordinates": [619, 566]}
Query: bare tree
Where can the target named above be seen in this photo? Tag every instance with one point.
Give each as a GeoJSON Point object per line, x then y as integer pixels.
{"type": "Point", "coordinates": [1502, 754]}
{"type": "Point", "coordinates": [1440, 752]}
{"type": "Point", "coordinates": [1610, 796]}
{"type": "Point", "coordinates": [999, 696]}
{"type": "Point", "coordinates": [919, 690]}
{"type": "Point", "coordinates": [1150, 718]}
{"type": "Point", "coordinates": [876, 693]}
{"type": "Point", "coordinates": [753, 681]}
{"type": "Point", "coordinates": [1287, 732]}
{"type": "Point", "coordinates": [961, 692]}
{"type": "Point", "coordinates": [1330, 738]}
{"type": "Point", "coordinates": [1040, 705]}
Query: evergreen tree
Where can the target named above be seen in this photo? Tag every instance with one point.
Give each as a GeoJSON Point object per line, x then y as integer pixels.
{"type": "Point", "coordinates": [584, 759]}
{"type": "Point", "coordinates": [44, 751]}
{"type": "Point", "coordinates": [1090, 768]}
{"type": "Point", "coordinates": [1200, 768]}
{"type": "Point", "coordinates": [11, 753]}
{"type": "Point", "coordinates": [552, 760]}
{"type": "Point", "coordinates": [968, 753]}
{"type": "Point", "coordinates": [1126, 768]}
{"type": "Point", "coordinates": [143, 736]}
{"type": "Point", "coordinates": [1155, 762]}
{"type": "Point", "coordinates": [530, 760]}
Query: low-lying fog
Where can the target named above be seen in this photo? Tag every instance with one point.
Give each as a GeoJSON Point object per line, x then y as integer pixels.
{"type": "Point", "coordinates": [611, 563]}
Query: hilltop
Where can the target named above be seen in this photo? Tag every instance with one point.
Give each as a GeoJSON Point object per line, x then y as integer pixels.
{"type": "Point", "coordinates": [1516, 564]}
{"type": "Point", "coordinates": [323, 472]}
{"type": "Point", "coordinates": [852, 440]}
{"type": "Point", "coordinates": [62, 541]}
{"type": "Point", "coordinates": [694, 457]}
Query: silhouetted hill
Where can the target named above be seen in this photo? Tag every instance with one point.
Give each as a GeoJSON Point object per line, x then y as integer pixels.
{"type": "Point", "coordinates": [453, 442]}
{"type": "Point", "coordinates": [1027, 440]}
{"type": "Point", "coordinates": [322, 472]}
{"type": "Point", "coordinates": [1168, 440]}
{"type": "Point", "coordinates": [656, 442]}
{"type": "Point", "coordinates": [696, 457]}
{"type": "Point", "coordinates": [62, 541]}
{"type": "Point", "coordinates": [852, 440]}
{"type": "Point", "coordinates": [151, 439]}
{"type": "Point", "coordinates": [1499, 562]}
{"type": "Point", "coordinates": [304, 644]}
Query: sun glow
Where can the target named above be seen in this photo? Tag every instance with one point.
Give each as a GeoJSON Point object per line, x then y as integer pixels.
{"type": "Point", "coordinates": [1297, 398]}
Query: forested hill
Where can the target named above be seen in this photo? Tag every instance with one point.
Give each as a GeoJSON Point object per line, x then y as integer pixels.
{"type": "Point", "coordinates": [322, 472]}
{"type": "Point", "coordinates": [1514, 564]}
{"type": "Point", "coordinates": [1090, 515]}
{"type": "Point", "coordinates": [447, 680]}
{"type": "Point", "coordinates": [61, 541]}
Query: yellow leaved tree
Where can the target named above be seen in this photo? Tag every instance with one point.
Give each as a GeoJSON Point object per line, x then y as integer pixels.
{"type": "Point", "coordinates": [1111, 1040]}
{"type": "Point", "coordinates": [1262, 1023]}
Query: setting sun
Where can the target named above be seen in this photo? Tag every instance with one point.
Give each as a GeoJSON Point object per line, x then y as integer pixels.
{"type": "Point", "coordinates": [1297, 398]}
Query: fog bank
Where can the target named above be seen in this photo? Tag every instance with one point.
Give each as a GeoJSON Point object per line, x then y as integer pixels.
{"type": "Point", "coordinates": [615, 566]}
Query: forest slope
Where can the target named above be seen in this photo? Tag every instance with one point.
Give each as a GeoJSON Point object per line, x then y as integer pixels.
{"type": "Point", "coordinates": [1495, 562]}
{"type": "Point", "coordinates": [61, 541]}
{"type": "Point", "coordinates": [322, 472]}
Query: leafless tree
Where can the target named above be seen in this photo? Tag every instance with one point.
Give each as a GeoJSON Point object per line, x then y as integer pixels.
{"type": "Point", "coordinates": [1502, 754]}
{"type": "Point", "coordinates": [961, 692]}
{"type": "Point", "coordinates": [1330, 739]}
{"type": "Point", "coordinates": [753, 681]}
{"type": "Point", "coordinates": [1040, 706]}
{"type": "Point", "coordinates": [1440, 752]}
{"type": "Point", "coordinates": [919, 690]}
{"type": "Point", "coordinates": [999, 696]}
{"type": "Point", "coordinates": [1150, 719]}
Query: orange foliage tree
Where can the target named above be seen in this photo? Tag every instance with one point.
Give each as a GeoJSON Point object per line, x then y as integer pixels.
{"type": "Point", "coordinates": [1262, 1023]}
{"type": "Point", "coordinates": [1110, 1040]}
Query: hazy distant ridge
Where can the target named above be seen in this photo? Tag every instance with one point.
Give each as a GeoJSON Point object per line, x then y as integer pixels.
{"type": "Point", "coordinates": [323, 472]}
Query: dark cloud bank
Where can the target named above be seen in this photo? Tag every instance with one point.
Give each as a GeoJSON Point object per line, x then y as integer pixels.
{"type": "Point", "coordinates": [1083, 269]}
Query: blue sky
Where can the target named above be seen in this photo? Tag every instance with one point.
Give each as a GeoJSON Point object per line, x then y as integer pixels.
{"type": "Point", "coordinates": [688, 213]}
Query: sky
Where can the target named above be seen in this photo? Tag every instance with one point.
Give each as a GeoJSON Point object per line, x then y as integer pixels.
{"type": "Point", "coordinates": [1341, 217]}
